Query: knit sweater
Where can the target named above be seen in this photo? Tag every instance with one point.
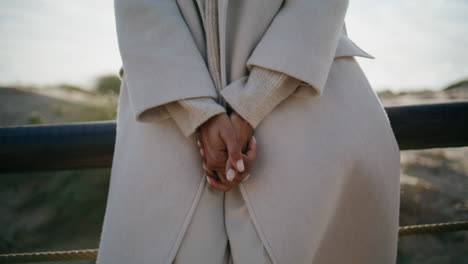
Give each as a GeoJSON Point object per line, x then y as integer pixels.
{"type": "Point", "coordinates": [252, 98]}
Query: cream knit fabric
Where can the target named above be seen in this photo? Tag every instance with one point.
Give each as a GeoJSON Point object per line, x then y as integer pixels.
{"type": "Point", "coordinates": [189, 114]}
{"type": "Point", "coordinates": [252, 99]}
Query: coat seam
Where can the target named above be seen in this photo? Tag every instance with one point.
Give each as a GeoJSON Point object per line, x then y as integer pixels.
{"type": "Point", "coordinates": [254, 218]}
{"type": "Point", "coordinates": [186, 223]}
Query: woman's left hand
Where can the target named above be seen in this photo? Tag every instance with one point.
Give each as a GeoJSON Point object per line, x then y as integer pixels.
{"type": "Point", "coordinates": [247, 143]}
{"type": "Point", "coordinates": [248, 158]}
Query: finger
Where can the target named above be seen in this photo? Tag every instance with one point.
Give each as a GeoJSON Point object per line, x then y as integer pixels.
{"type": "Point", "coordinates": [201, 148]}
{"type": "Point", "coordinates": [235, 177]}
{"type": "Point", "coordinates": [215, 157]}
{"type": "Point", "coordinates": [216, 160]}
{"type": "Point", "coordinates": [200, 144]}
{"type": "Point", "coordinates": [205, 167]}
{"type": "Point", "coordinates": [243, 130]}
{"type": "Point", "coordinates": [252, 149]}
{"type": "Point", "coordinates": [202, 152]}
{"type": "Point", "coordinates": [213, 173]}
{"type": "Point", "coordinates": [235, 156]}
{"type": "Point", "coordinates": [230, 174]}
{"type": "Point", "coordinates": [240, 177]}
{"type": "Point", "coordinates": [246, 177]}
{"type": "Point", "coordinates": [249, 158]}
{"type": "Point", "coordinates": [209, 171]}
{"type": "Point", "coordinates": [216, 165]}
{"type": "Point", "coordinates": [248, 163]}
{"type": "Point", "coordinates": [213, 183]}
{"type": "Point", "coordinates": [222, 178]}
{"type": "Point", "coordinates": [230, 171]}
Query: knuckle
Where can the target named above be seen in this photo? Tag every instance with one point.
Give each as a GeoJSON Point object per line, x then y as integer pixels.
{"type": "Point", "coordinates": [209, 165]}
{"type": "Point", "coordinates": [235, 147]}
{"type": "Point", "coordinates": [212, 164]}
{"type": "Point", "coordinates": [209, 168]}
{"type": "Point", "coordinates": [219, 157]}
{"type": "Point", "coordinates": [228, 133]}
{"type": "Point", "coordinates": [225, 182]}
{"type": "Point", "coordinates": [235, 151]}
{"type": "Point", "coordinates": [222, 180]}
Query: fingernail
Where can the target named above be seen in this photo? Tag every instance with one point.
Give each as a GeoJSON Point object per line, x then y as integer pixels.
{"type": "Point", "coordinates": [208, 179]}
{"type": "Point", "coordinates": [240, 165]}
{"type": "Point", "coordinates": [246, 178]}
{"type": "Point", "coordinates": [199, 143]}
{"type": "Point", "coordinates": [202, 152]}
{"type": "Point", "coordinates": [254, 139]}
{"type": "Point", "coordinates": [204, 167]}
{"type": "Point", "coordinates": [230, 174]}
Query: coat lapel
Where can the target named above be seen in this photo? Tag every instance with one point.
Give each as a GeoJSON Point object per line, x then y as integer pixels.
{"type": "Point", "coordinates": [222, 18]}
{"type": "Point", "coordinates": [201, 9]}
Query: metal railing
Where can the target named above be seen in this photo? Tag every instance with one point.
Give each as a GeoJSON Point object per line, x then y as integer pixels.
{"type": "Point", "coordinates": [91, 145]}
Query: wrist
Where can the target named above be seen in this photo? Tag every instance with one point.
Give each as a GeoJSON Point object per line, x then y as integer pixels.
{"type": "Point", "coordinates": [237, 117]}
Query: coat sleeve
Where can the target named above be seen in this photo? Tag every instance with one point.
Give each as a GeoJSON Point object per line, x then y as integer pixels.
{"type": "Point", "coordinates": [160, 58]}
{"type": "Point", "coordinates": [302, 39]}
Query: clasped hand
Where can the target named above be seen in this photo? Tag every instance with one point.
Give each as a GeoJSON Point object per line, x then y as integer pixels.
{"type": "Point", "coordinates": [228, 149]}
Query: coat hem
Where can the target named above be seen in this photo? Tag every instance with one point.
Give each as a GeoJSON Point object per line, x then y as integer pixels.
{"type": "Point", "coordinates": [185, 225]}
{"type": "Point", "coordinates": [254, 218]}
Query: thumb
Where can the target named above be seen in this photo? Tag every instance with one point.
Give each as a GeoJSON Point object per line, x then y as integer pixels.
{"type": "Point", "coordinates": [235, 156]}
{"type": "Point", "coordinates": [252, 149]}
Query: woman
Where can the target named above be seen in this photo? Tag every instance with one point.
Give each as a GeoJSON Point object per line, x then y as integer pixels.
{"type": "Point", "coordinates": [317, 183]}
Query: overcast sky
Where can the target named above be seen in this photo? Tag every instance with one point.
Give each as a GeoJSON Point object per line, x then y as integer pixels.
{"type": "Point", "coordinates": [417, 43]}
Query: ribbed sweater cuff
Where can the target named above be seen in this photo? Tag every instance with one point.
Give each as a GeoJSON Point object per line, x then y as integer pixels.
{"type": "Point", "coordinates": [263, 90]}
{"type": "Point", "coordinates": [189, 114]}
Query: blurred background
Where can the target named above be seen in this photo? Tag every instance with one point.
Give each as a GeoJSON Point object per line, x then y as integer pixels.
{"type": "Point", "coordinates": [60, 63]}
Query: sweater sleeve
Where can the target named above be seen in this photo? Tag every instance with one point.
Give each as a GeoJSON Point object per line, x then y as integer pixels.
{"type": "Point", "coordinates": [253, 98]}
{"type": "Point", "coordinates": [189, 114]}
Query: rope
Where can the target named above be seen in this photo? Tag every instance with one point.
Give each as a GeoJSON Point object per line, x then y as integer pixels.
{"type": "Point", "coordinates": [91, 254]}
{"type": "Point", "coordinates": [433, 228]}
{"type": "Point", "coordinates": [84, 254]}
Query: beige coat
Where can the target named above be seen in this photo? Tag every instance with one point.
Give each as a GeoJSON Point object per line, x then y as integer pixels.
{"type": "Point", "coordinates": [325, 186]}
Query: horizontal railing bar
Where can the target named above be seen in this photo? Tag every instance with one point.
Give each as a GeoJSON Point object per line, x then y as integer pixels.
{"type": "Point", "coordinates": [426, 126]}
{"type": "Point", "coordinates": [91, 144]}
{"type": "Point", "coordinates": [57, 147]}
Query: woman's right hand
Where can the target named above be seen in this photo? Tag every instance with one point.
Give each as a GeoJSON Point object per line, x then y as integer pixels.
{"type": "Point", "coordinates": [219, 146]}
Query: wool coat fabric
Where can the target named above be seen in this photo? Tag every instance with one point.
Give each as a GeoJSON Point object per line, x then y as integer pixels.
{"type": "Point", "coordinates": [325, 184]}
